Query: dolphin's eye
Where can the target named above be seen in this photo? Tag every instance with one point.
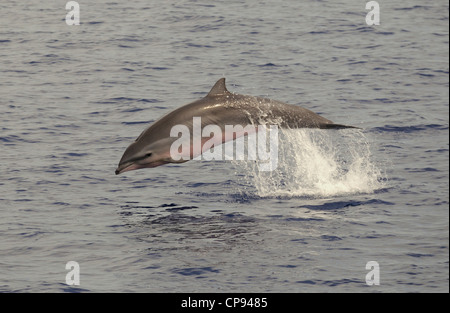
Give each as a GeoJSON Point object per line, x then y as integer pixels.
{"type": "Point", "coordinates": [148, 155]}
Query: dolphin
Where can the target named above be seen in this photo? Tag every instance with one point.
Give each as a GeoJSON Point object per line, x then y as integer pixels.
{"type": "Point", "coordinates": [220, 107]}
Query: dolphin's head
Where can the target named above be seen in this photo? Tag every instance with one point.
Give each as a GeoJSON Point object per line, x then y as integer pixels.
{"type": "Point", "coordinates": [139, 155]}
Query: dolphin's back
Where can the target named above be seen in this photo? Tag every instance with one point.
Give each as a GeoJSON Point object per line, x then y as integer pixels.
{"type": "Point", "coordinates": [235, 109]}
{"type": "Point", "coordinates": [272, 112]}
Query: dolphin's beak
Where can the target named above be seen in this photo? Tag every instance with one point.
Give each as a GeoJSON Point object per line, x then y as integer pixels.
{"type": "Point", "coordinates": [130, 166]}
{"type": "Point", "coordinates": [129, 159]}
{"type": "Point", "coordinates": [125, 167]}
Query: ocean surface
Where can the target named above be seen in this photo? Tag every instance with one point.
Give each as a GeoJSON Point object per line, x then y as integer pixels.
{"type": "Point", "coordinates": [72, 98]}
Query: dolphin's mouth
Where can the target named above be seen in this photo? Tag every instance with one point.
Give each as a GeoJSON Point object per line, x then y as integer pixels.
{"type": "Point", "coordinates": [122, 168]}
{"type": "Point", "coordinates": [130, 166]}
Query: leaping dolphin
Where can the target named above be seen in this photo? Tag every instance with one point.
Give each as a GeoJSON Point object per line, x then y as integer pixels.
{"type": "Point", "coordinates": [220, 107]}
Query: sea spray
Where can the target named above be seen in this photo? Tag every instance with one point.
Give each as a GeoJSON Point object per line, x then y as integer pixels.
{"type": "Point", "coordinates": [316, 163]}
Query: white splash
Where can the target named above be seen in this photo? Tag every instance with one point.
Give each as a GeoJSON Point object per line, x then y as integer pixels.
{"type": "Point", "coordinates": [317, 163]}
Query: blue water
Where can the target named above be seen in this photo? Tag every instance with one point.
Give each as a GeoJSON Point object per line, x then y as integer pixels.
{"type": "Point", "coordinates": [74, 97]}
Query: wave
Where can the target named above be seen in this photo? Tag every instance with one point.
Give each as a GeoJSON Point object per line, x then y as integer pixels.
{"type": "Point", "coordinates": [411, 128]}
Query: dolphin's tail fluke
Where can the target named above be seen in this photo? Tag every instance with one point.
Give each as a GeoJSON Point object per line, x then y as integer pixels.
{"type": "Point", "coordinates": [337, 126]}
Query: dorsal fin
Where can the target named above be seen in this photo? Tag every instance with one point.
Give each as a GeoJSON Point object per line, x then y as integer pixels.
{"type": "Point", "coordinates": [219, 88]}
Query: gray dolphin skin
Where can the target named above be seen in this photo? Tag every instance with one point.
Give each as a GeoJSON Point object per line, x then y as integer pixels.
{"type": "Point", "coordinates": [220, 107]}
